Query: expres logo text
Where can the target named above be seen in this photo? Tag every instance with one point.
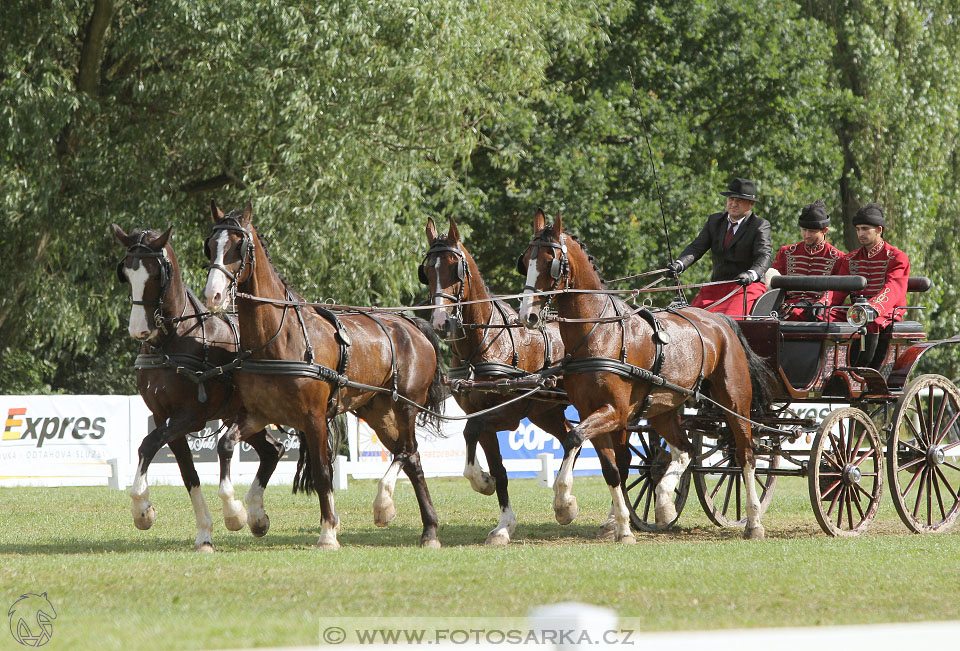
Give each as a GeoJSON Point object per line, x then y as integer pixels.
{"type": "Point", "coordinates": [20, 426]}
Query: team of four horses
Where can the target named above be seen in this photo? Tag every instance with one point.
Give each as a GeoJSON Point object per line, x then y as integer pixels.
{"type": "Point", "coordinates": [285, 361]}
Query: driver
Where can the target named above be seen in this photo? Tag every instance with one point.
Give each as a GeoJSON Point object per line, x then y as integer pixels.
{"type": "Point", "coordinates": [739, 244]}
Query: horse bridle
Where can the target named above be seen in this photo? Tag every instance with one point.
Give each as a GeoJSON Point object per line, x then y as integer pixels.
{"type": "Point", "coordinates": [246, 248]}
{"type": "Point", "coordinates": [141, 250]}
{"type": "Point", "coordinates": [462, 271]}
{"type": "Point", "coordinates": [559, 267]}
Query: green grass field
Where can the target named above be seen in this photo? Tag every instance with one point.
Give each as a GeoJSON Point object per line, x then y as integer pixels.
{"type": "Point", "coordinates": [116, 587]}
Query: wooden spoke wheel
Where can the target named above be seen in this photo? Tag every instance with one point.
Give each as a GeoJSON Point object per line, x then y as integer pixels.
{"type": "Point", "coordinates": [923, 455]}
{"type": "Point", "coordinates": [718, 479]}
{"type": "Point", "coordinates": [648, 462]}
{"type": "Point", "coordinates": [845, 476]}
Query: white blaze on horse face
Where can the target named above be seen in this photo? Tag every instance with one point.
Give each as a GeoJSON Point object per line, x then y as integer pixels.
{"type": "Point", "coordinates": [218, 284]}
{"type": "Point", "coordinates": [527, 306]}
{"type": "Point", "coordinates": [139, 327]}
{"type": "Point", "coordinates": [438, 319]}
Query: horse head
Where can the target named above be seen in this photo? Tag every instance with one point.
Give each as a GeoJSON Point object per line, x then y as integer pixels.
{"type": "Point", "coordinates": [445, 271]}
{"type": "Point", "coordinates": [150, 268]}
{"type": "Point", "coordinates": [230, 250]}
{"type": "Point", "coordinates": [546, 265]}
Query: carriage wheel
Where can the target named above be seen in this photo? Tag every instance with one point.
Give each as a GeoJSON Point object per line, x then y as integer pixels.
{"type": "Point", "coordinates": [845, 476]}
{"type": "Point", "coordinates": [720, 482]}
{"type": "Point", "coordinates": [923, 455]}
{"type": "Point", "coordinates": [649, 460]}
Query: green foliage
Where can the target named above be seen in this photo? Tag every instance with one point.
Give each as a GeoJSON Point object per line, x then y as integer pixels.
{"type": "Point", "coordinates": [348, 123]}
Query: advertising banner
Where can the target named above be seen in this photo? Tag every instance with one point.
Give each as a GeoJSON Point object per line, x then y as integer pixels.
{"type": "Point", "coordinates": [62, 440]}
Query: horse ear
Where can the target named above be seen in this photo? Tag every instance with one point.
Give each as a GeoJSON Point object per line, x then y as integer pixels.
{"type": "Point", "coordinates": [557, 224]}
{"type": "Point", "coordinates": [161, 240]}
{"type": "Point", "coordinates": [247, 216]}
{"type": "Point", "coordinates": [215, 213]}
{"type": "Point", "coordinates": [539, 221]}
{"type": "Point", "coordinates": [119, 234]}
{"type": "Point", "coordinates": [454, 232]}
{"type": "Point", "coordinates": [431, 231]}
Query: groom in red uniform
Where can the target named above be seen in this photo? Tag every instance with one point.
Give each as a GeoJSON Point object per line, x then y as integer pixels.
{"type": "Point", "coordinates": [739, 245]}
{"type": "Point", "coordinates": [885, 267]}
{"type": "Point", "coordinates": [812, 256]}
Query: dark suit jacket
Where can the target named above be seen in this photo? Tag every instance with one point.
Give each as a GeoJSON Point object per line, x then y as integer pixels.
{"type": "Point", "coordinates": [750, 248]}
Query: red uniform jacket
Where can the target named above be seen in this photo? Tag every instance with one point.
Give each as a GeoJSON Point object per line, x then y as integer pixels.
{"type": "Point", "coordinates": [796, 260]}
{"type": "Point", "coordinates": [886, 269]}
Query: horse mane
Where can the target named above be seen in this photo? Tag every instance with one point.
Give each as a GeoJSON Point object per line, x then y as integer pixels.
{"type": "Point", "coordinates": [583, 247]}
{"type": "Point", "coordinates": [264, 244]}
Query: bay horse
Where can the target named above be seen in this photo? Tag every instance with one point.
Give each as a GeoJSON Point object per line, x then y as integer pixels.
{"type": "Point", "coordinates": [485, 351]}
{"type": "Point", "coordinates": [608, 374]}
{"type": "Point", "coordinates": [302, 366]}
{"type": "Point", "coordinates": [178, 339]}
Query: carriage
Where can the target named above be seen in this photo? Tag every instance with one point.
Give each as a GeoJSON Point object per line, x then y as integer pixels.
{"type": "Point", "coordinates": [877, 427]}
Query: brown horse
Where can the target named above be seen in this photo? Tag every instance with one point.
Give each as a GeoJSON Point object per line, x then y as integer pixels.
{"type": "Point", "coordinates": [485, 351]}
{"type": "Point", "coordinates": [179, 341]}
{"type": "Point", "coordinates": [303, 366]}
{"type": "Point", "coordinates": [608, 374]}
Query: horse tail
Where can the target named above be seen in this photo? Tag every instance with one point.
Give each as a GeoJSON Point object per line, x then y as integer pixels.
{"type": "Point", "coordinates": [303, 476]}
{"type": "Point", "coordinates": [437, 393]}
{"type": "Point", "coordinates": [762, 378]}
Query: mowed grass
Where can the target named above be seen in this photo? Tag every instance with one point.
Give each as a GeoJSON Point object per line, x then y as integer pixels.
{"type": "Point", "coordinates": [116, 587]}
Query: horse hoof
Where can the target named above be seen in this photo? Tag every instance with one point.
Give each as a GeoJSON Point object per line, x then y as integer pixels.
{"type": "Point", "coordinates": [144, 520]}
{"type": "Point", "coordinates": [204, 547]}
{"type": "Point", "coordinates": [382, 516]}
{"type": "Point", "coordinates": [235, 522]}
{"type": "Point", "coordinates": [430, 543]}
{"type": "Point", "coordinates": [566, 513]}
{"type": "Point", "coordinates": [498, 539]}
{"type": "Point", "coordinates": [607, 531]}
{"type": "Point", "coordinates": [627, 539]}
{"type": "Point", "coordinates": [666, 514]}
{"type": "Point", "coordinates": [487, 485]}
{"type": "Point", "coordinates": [328, 546]}
{"type": "Point", "coordinates": [754, 533]}
{"type": "Point", "coordinates": [260, 527]}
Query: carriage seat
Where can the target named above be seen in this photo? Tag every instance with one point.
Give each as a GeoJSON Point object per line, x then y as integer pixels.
{"type": "Point", "coordinates": [839, 328]}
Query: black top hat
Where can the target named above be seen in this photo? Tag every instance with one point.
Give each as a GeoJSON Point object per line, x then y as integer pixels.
{"type": "Point", "coordinates": [871, 215]}
{"type": "Point", "coordinates": [741, 188]}
{"type": "Point", "coordinates": [814, 216]}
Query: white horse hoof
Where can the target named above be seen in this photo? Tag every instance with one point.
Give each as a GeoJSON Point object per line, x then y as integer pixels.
{"type": "Point", "coordinates": [328, 546]}
{"type": "Point", "coordinates": [237, 521]}
{"type": "Point", "coordinates": [204, 547]}
{"type": "Point", "coordinates": [665, 514]}
{"type": "Point", "coordinates": [566, 513]}
{"type": "Point", "coordinates": [627, 539]}
{"type": "Point", "coordinates": [754, 533]}
{"type": "Point", "coordinates": [430, 543]}
{"type": "Point", "coordinates": [498, 539]}
{"type": "Point", "coordinates": [607, 531]}
{"type": "Point", "coordinates": [384, 515]}
{"type": "Point", "coordinates": [145, 519]}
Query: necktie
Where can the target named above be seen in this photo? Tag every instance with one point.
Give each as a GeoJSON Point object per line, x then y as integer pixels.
{"type": "Point", "coordinates": [728, 238]}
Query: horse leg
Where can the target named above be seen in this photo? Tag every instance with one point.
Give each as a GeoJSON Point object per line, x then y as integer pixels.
{"type": "Point", "coordinates": [181, 451]}
{"type": "Point", "coordinates": [414, 472]}
{"type": "Point", "coordinates": [234, 513]}
{"type": "Point", "coordinates": [316, 437]}
{"type": "Point", "coordinates": [270, 450]}
{"type": "Point", "coordinates": [602, 421]}
{"type": "Point", "coordinates": [384, 510]}
{"type": "Point", "coordinates": [142, 510]}
{"type": "Point", "coordinates": [618, 504]}
{"type": "Point", "coordinates": [608, 530]}
{"type": "Point", "coordinates": [739, 401]}
{"type": "Point", "coordinates": [480, 481]}
{"type": "Point", "coordinates": [754, 530]}
{"type": "Point", "coordinates": [667, 426]}
{"type": "Point", "coordinates": [508, 521]}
